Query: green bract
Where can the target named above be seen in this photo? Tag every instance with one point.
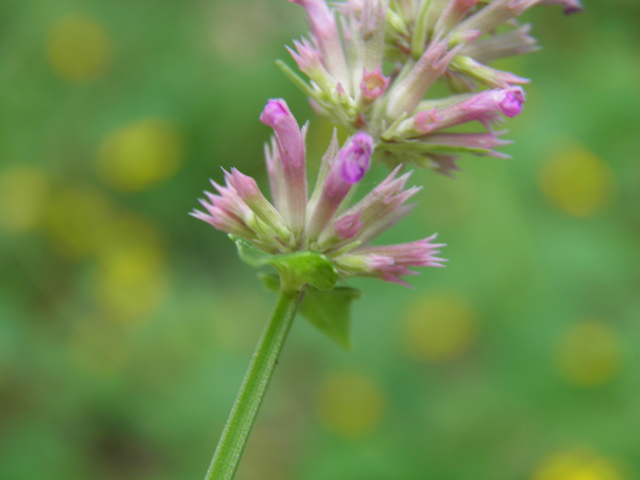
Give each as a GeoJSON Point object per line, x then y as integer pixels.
{"type": "Point", "coordinates": [328, 311]}
{"type": "Point", "coordinates": [296, 269]}
{"type": "Point", "coordinates": [325, 305]}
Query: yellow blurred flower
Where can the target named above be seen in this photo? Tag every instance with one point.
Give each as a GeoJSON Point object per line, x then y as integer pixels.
{"type": "Point", "coordinates": [440, 328]}
{"type": "Point", "coordinates": [140, 154]}
{"type": "Point", "coordinates": [132, 278]}
{"type": "Point", "coordinates": [350, 404]}
{"type": "Point", "coordinates": [78, 48]}
{"type": "Point", "coordinates": [77, 220]}
{"type": "Point", "coordinates": [23, 193]}
{"type": "Point", "coordinates": [590, 354]}
{"type": "Point", "coordinates": [577, 181]}
{"type": "Point", "coordinates": [577, 466]}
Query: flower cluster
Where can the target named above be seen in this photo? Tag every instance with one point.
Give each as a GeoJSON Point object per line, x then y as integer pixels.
{"type": "Point", "coordinates": [324, 222]}
{"type": "Point", "coordinates": [417, 43]}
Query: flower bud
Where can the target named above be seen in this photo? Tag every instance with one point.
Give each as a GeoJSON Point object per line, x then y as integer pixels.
{"type": "Point", "coordinates": [347, 168]}
{"type": "Point", "coordinates": [290, 141]}
{"type": "Point", "coordinates": [356, 158]}
{"type": "Point", "coordinates": [405, 97]}
{"type": "Point", "coordinates": [324, 30]}
{"type": "Point", "coordinates": [570, 6]}
{"type": "Point", "coordinates": [373, 84]}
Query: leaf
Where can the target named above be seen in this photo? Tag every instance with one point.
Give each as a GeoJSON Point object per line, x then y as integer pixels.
{"type": "Point", "coordinates": [295, 269]}
{"type": "Point", "coordinates": [329, 311]}
{"type": "Point", "coordinates": [271, 282]}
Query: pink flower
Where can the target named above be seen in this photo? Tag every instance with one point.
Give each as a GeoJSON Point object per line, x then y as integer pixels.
{"type": "Point", "coordinates": [485, 107]}
{"type": "Point", "coordinates": [325, 33]}
{"type": "Point", "coordinates": [570, 6]}
{"type": "Point", "coordinates": [419, 43]}
{"type": "Point", "coordinates": [340, 233]}
{"type": "Point", "coordinates": [356, 158]}
{"type": "Point", "coordinates": [405, 97]}
{"type": "Point", "coordinates": [373, 84]}
{"type": "Point", "coordinates": [291, 156]}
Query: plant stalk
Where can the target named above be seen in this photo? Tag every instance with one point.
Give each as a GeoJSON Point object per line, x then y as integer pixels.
{"type": "Point", "coordinates": [245, 409]}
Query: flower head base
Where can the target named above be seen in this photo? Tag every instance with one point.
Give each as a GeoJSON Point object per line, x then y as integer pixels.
{"type": "Point", "coordinates": [421, 42]}
{"type": "Point", "coordinates": [328, 226]}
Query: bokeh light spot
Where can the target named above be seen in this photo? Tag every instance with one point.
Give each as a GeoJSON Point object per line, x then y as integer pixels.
{"type": "Point", "coordinates": [577, 466]}
{"type": "Point", "coordinates": [140, 154]}
{"type": "Point", "coordinates": [132, 278]}
{"type": "Point", "coordinates": [78, 48]}
{"type": "Point", "coordinates": [589, 354]}
{"type": "Point", "coordinates": [440, 328]}
{"type": "Point", "coordinates": [350, 404]}
{"type": "Point", "coordinates": [577, 181]}
{"type": "Point", "coordinates": [23, 195]}
{"type": "Point", "coordinates": [77, 220]}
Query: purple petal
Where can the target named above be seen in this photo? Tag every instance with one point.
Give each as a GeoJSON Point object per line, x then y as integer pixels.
{"type": "Point", "coordinates": [511, 102]}
{"type": "Point", "coordinates": [356, 158]}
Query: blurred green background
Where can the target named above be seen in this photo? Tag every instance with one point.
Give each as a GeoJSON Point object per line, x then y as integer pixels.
{"type": "Point", "coordinates": [126, 325]}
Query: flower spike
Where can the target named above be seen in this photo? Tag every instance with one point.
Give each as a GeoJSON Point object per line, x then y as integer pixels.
{"type": "Point", "coordinates": [341, 234]}
{"type": "Point", "coordinates": [373, 73]}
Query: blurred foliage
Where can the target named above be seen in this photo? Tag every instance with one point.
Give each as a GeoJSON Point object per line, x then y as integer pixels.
{"type": "Point", "coordinates": [126, 325]}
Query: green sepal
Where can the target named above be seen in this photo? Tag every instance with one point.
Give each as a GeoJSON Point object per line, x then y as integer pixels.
{"type": "Point", "coordinates": [295, 78]}
{"type": "Point", "coordinates": [296, 269]}
{"type": "Point", "coordinates": [328, 311]}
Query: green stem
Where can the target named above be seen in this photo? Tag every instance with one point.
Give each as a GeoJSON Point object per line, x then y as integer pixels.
{"type": "Point", "coordinates": [245, 409]}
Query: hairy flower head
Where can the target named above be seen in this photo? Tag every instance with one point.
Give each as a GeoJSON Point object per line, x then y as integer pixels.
{"type": "Point", "coordinates": [324, 223]}
{"type": "Point", "coordinates": [420, 43]}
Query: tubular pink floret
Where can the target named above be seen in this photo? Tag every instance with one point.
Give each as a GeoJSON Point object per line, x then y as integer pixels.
{"type": "Point", "coordinates": [569, 6]}
{"type": "Point", "coordinates": [355, 158]}
{"type": "Point", "coordinates": [452, 14]}
{"type": "Point", "coordinates": [494, 14]}
{"type": "Point", "coordinates": [229, 200]}
{"type": "Point", "coordinates": [406, 96]}
{"type": "Point", "coordinates": [275, 173]}
{"type": "Point", "coordinates": [373, 84]}
{"type": "Point", "coordinates": [420, 253]}
{"type": "Point", "coordinates": [379, 262]}
{"type": "Point", "coordinates": [485, 141]}
{"type": "Point", "coordinates": [511, 102]}
{"type": "Point", "coordinates": [320, 17]}
{"type": "Point", "coordinates": [394, 261]}
{"type": "Point", "coordinates": [276, 114]}
{"type": "Point", "coordinates": [485, 107]}
{"type": "Point", "coordinates": [290, 141]}
{"type": "Point", "coordinates": [464, 4]}
{"type": "Point", "coordinates": [245, 186]}
{"type": "Point", "coordinates": [326, 36]}
{"type": "Point", "coordinates": [348, 226]}
{"type": "Point", "coordinates": [305, 55]}
{"type": "Point", "coordinates": [347, 168]}
{"type": "Point", "coordinates": [513, 42]}
{"type": "Point", "coordinates": [425, 119]}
